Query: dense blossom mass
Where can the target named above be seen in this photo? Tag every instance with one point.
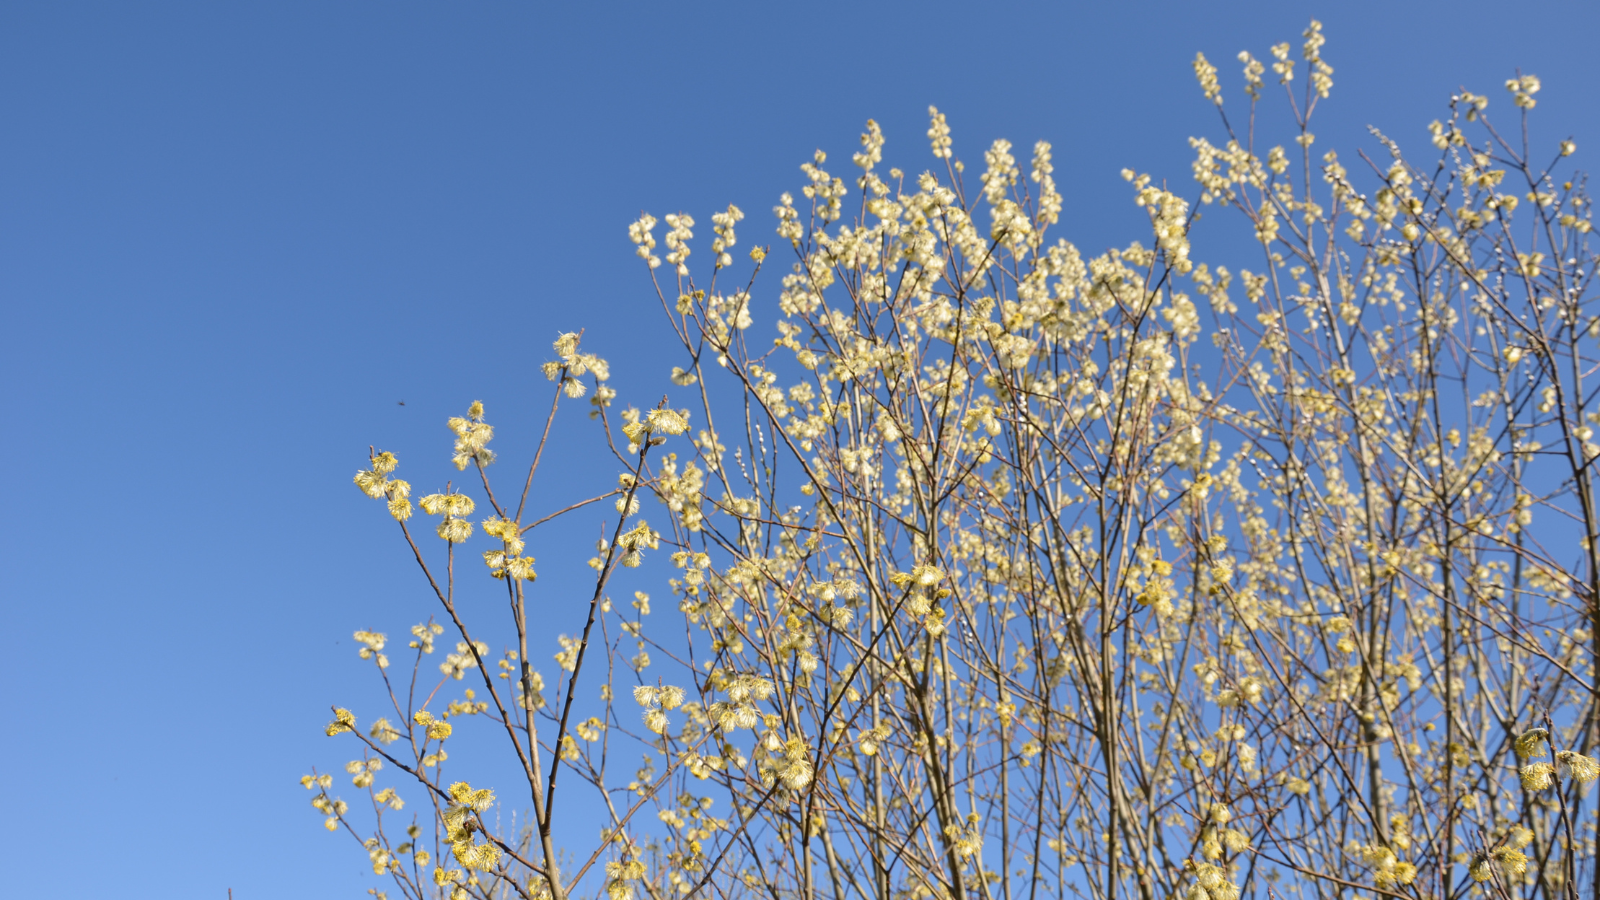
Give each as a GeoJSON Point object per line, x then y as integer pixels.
{"type": "Point", "coordinates": [1003, 571]}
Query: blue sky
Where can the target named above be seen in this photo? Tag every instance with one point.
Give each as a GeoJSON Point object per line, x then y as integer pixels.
{"type": "Point", "coordinates": [234, 236]}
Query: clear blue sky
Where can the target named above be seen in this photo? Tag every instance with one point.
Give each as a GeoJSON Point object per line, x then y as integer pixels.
{"type": "Point", "coordinates": [233, 236]}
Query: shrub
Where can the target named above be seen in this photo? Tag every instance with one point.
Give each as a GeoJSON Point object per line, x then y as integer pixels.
{"type": "Point", "coordinates": [1007, 571]}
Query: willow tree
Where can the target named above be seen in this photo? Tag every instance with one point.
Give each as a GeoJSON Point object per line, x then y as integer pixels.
{"type": "Point", "coordinates": [1009, 572]}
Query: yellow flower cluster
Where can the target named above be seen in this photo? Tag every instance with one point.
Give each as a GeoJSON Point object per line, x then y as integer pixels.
{"type": "Point", "coordinates": [472, 437]}
{"type": "Point", "coordinates": [507, 561]}
{"type": "Point", "coordinates": [372, 644]}
{"type": "Point", "coordinates": [455, 527]}
{"type": "Point", "coordinates": [376, 483]}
